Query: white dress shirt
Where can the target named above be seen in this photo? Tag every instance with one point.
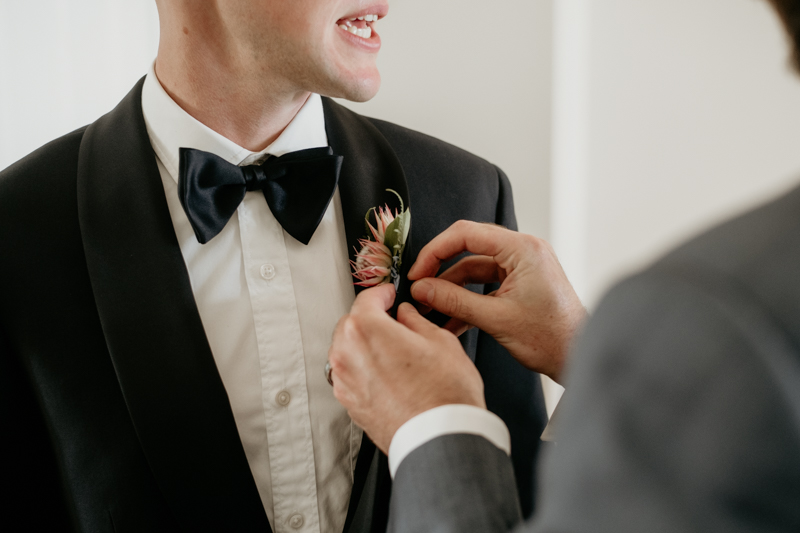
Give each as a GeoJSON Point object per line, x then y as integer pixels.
{"type": "Point", "coordinates": [269, 305]}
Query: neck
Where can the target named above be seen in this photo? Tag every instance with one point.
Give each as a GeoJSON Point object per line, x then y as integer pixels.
{"type": "Point", "coordinates": [233, 96]}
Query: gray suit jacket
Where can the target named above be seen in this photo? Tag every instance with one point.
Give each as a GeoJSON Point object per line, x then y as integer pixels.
{"type": "Point", "coordinates": [683, 411]}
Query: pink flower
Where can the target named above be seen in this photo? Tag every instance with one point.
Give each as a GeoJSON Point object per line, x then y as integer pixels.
{"type": "Point", "coordinates": [380, 257]}
{"type": "Point", "coordinates": [373, 264]}
{"type": "Point", "coordinates": [383, 218]}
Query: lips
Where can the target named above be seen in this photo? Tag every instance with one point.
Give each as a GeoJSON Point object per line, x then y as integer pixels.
{"type": "Point", "coordinates": [360, 26]}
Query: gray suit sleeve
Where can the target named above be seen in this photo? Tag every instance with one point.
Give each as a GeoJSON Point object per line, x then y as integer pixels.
{"type": "Point", "coordinates": [454, 483]}
{"type": "Point", "coordinates": [671, 423]}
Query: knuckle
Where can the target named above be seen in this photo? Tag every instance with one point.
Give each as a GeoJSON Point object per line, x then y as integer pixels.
{"type": "Point", "coordinates": [354, 326]}
{"type": "Point", "coordinates": [336, 358]}
{"type": "Point", "coordinates": [337, 331]}
{"type": "Point", "coordinates": [333, 355]}
{"type": "Point", "coordinates": [461, 225]}
{"type": "Point", "coordinates": [447, 337]}
{"type": "Point", "coordinates": [456, 306]}
{"type": "Point", "coordinates": [535, 244]}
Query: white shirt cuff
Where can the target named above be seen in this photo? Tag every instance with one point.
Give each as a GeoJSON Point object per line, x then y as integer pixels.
{"type": "Point", "coordinates": [447, 420]}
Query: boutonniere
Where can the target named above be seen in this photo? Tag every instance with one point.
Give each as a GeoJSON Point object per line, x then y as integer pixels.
{"type": "Point", "coordinates": [381, 253]}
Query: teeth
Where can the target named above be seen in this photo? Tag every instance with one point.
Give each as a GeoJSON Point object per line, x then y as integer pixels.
{"type": "Point", "coordinates": [365, 33]}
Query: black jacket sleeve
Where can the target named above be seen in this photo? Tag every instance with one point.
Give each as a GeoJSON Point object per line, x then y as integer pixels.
{"type": "Point", "coordinates": [33, 499]}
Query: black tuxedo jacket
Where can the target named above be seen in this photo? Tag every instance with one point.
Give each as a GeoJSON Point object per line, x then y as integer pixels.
{"type": "Point", "coordinates": [113, 412]}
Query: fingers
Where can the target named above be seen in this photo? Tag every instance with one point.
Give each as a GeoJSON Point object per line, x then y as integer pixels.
{"type": "Point", "coordinates": [458, 302]}
{"type": "Point", "coordinates": [457, 327]}
{"type": "Point", "coordinates": [408, 316]}
{"type": "Point", "coordinates": [352, 330]}
{"type": "Point", "coordinates": [472, 269]}
{"type": "Point", "coordinates": [481, 239]}
{"type": "Point", "coordinates": [375, 299]}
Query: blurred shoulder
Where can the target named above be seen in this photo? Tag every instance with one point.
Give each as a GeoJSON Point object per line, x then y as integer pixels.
{"type": "Point", "coordinates": [691, 307]}
{"type": "Point", "coordinates": [755, 254]}
{"type": "Point", "coordinates": [675, 369]}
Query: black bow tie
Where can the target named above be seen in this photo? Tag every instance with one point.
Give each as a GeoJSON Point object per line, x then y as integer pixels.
{"type": "Point", "coordinates": [298, 187]}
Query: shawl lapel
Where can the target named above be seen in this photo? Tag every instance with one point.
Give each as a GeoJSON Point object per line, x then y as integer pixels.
{"type": "Point", "coordinates": [153, 331]}
{"type": "Point", "coordinates": [370, 167]}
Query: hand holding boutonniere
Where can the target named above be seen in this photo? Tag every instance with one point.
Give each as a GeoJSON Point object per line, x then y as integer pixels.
{"type": "Point", "coordinates": [381, 253]}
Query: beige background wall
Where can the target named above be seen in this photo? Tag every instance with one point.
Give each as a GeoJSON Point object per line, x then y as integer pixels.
{"type": "Point", "coordinates": [670, 115]}
{"type": "Point", "coordinates": [63, 63]}
{"type": "Point", "coordinates": [477, 75]}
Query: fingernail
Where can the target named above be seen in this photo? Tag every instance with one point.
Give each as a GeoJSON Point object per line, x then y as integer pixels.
{"type": "Point", "coordinates": [423, 291]}
{"type": "Point", "coordinates": [406, 307]}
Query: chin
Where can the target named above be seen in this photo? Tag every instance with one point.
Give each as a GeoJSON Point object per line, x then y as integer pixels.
{"type": "Point", "coordinates": [364, 90]}
{"type": "Point", "coordinates": [356, 88]}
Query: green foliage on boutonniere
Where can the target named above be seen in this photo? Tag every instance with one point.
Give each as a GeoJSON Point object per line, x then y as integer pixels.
{"type": "Point", "coordinates": [397, 231]}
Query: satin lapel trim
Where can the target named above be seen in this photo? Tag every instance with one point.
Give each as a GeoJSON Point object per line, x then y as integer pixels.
{"type": "Point", "coordinates": [155, 338]}
{"type": "Point", "coordinates": [370, 167]}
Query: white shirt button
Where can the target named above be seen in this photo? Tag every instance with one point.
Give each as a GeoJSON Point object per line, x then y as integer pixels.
{"type": "Point", "coordinates": [267, 271]}
{"type": "Point", "coordinates": [283, 398]}
{"type": "Point", "coordinates": [296, 521]}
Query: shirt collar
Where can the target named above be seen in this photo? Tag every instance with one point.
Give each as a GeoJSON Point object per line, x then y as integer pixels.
{"type": "Point", "coordinates": [171, 128]}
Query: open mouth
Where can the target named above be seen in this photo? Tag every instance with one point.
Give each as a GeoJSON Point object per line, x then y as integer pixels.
{"type": "Point", "coordinates": [359, 26]}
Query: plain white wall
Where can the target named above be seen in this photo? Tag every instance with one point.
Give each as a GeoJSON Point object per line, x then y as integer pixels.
{"type": "Point", "coordinates": [670, 115]}
{"type": "Point", "coordinates": [481, 82]}
{"type": "Point", "coordinates": [63, 63]}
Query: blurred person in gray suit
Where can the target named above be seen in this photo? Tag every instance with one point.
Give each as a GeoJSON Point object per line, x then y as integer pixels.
{"type": "Point", "coordinates": [682, 410]}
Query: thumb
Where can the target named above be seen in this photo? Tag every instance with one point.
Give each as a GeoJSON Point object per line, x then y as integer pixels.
{"type": "Point", "coordinates": [457, 302]}
{"type": "Point", "coordinates": [375, 299]}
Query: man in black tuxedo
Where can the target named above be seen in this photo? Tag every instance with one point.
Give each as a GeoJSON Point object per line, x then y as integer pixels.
{"type": "Point", "coordinates": [163, 331]}
{"type": "Point", "coordinates": [682, 409]}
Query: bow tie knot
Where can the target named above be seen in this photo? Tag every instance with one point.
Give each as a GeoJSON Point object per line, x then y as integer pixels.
{"type": "Point", "coordinates": [254, 177]}
{"type": "Point", "coordinates": [274, 168]}
{"type": "Point", "coordinates": [297, 186]}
